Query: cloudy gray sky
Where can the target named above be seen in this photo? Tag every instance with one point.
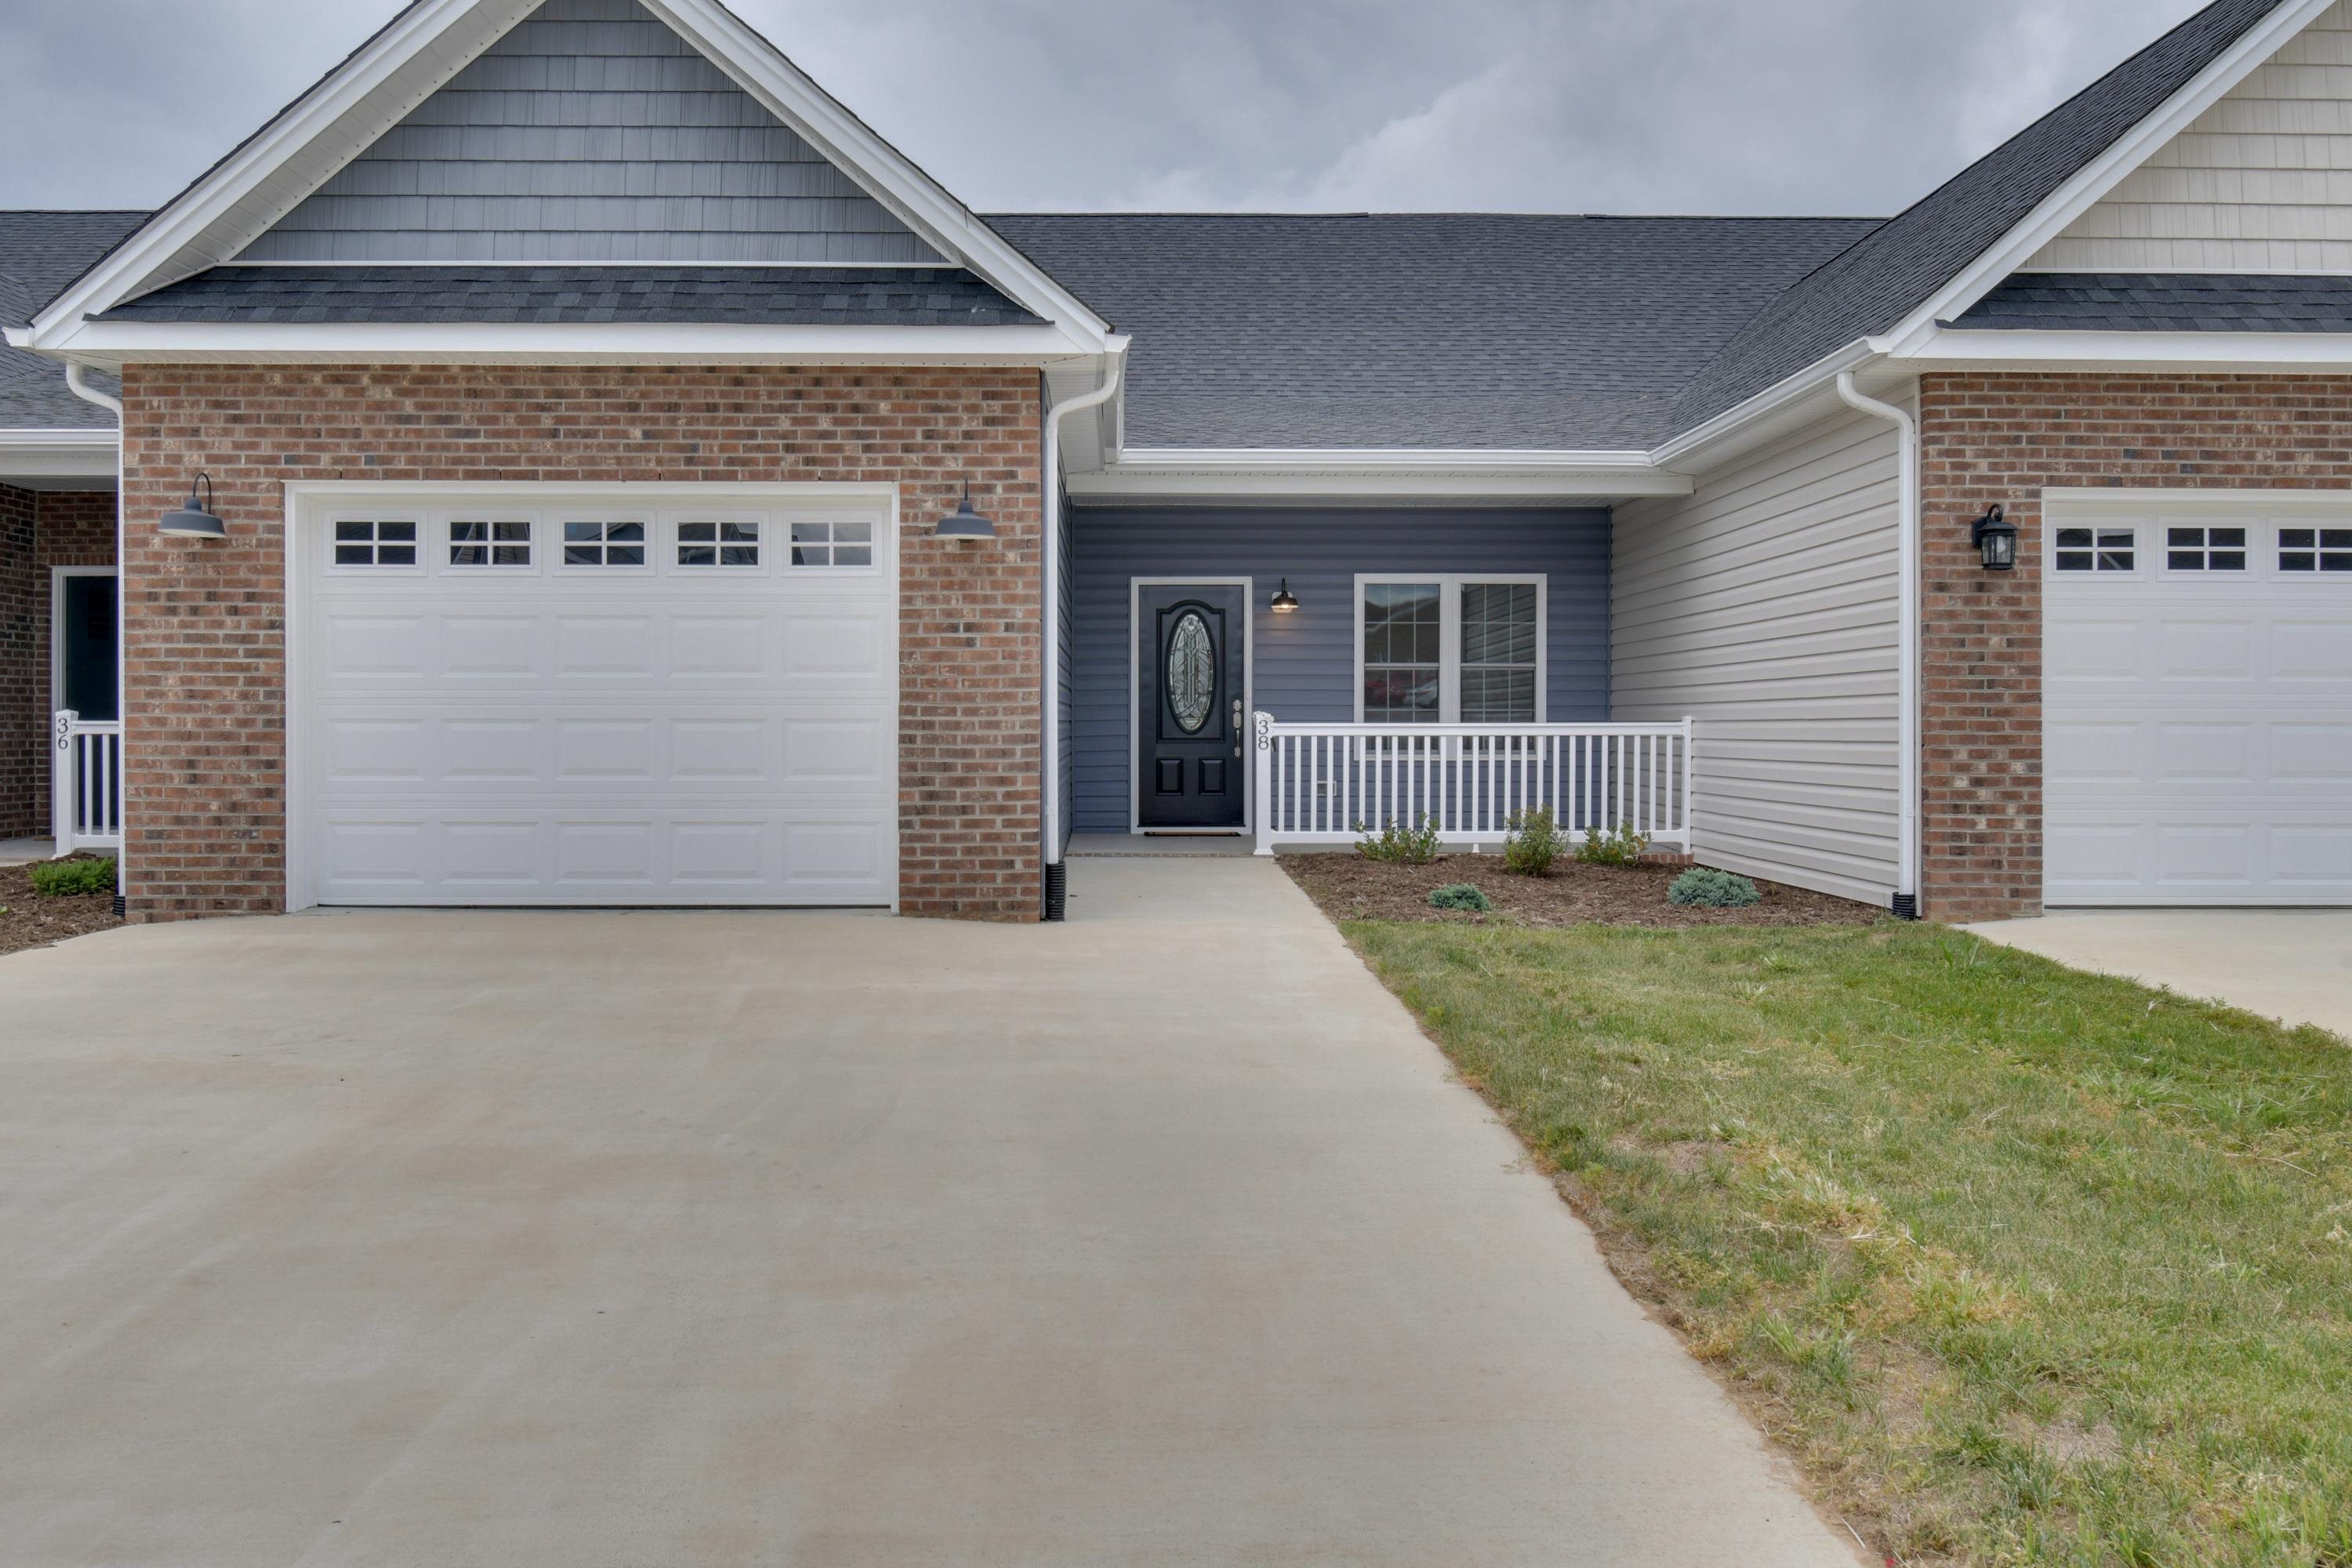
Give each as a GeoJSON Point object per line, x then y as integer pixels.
{"type": "Point", "coordinates": [1631, 106]}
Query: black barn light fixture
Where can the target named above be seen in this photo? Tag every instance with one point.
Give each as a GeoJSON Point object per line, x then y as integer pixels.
{"type": "Point", "coordinates": [196, 519]}
{"type": "Point", "coordinates": [1995, 537]}
{"type": "Point", "coordinates": [1285, 601]}
{"type": "Point", "coordinates": [963, 522]}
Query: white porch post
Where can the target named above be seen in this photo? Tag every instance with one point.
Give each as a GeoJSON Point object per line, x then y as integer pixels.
{"type": "Point", "coordinates": [1262, 794]}
{"type": "Point", "coordinates": [61, 781]}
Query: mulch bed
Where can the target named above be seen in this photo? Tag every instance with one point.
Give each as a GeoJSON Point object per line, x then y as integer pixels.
{"type": "Point", "coordinates": [1350, 888]}
{"type": "Point", "coordinates": [27, 920]}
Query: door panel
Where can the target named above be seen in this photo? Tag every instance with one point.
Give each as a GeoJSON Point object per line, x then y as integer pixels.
{"type": "Point", "coordinates": [1189, 705]}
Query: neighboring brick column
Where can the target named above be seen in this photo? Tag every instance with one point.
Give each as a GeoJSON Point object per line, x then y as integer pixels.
{"type": "Point", "coordinates": [24, 677]}
{"type": "Point", "coordinates": [204, 622]}
{"type": "Point", "coordinates": [2004, 439]}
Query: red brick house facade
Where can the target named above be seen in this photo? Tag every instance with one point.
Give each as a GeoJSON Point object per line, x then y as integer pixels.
{"type": "Point", "coordinates": [205, 648]}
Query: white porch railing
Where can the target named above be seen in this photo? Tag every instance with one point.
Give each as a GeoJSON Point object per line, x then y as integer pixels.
{"type": "Point", "coordinates": [1328, 784]}
{"type": "Point", "coordinates": [86, 784]}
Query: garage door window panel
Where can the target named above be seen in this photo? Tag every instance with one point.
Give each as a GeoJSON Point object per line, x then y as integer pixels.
{"type": "Point", "coordinates": [827, 545]}
{"type": "Point", "coordinates": [605, 545]}
{"type": "Point", "coordinates": [2315, 550]}
{"type": "Point", "coordinates": [2097, 550]}
{"type": "Point", "coordinates": [719, 545]}
{"type": "Point", "coordinates": [363, 543]}
{"type": "Point", "coordinates": [2205, 549]}
{"type": "Point", "coordinates": [490, 544]}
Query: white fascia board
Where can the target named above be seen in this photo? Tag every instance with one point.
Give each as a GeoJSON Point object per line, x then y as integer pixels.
{"type": "Point", "coordinates": [1178, 474]}
{"type": "Point", "coordinates": [215, 199]}
{"type": "Point", "coordinates": [58, 454]}
{"type": "Point", "coordinates": [1809, 382]}
{"type": "Point", "coordinates": [2022, 349]}
{"type": "Point", "coordinates": [115, 343]}
{"type": "Point", "coordinates": [2106, 171]}
{"type": "Point", "coordinates": [922, 203]}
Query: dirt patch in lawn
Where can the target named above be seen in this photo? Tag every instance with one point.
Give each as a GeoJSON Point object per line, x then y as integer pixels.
{"type": "Point", "coordinates": [27, 920]}
{"type": "Point", "coordinates": [1350, 888]}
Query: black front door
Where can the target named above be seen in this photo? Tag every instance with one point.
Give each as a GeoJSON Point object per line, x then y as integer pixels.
{"type": "Point", "coordinates": [1189, 722]}
{"type": "Point", "coordinates": [86, 636]}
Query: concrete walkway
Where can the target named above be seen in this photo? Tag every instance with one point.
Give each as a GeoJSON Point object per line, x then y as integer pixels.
{"type": "Point", "coordinates": [2294, 965]}
{"type": "Point", "coordinates": [1159, 1238]}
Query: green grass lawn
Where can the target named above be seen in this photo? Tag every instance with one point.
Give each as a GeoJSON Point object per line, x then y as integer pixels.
{"type": "Point", "coordinates": [2027, 1264]}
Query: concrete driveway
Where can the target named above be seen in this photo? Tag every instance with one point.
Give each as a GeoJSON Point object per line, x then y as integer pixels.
{"type": "Point", "coordinates": [1159, 1237]}
{"type": "Point", "coordinates": [2292, 964]}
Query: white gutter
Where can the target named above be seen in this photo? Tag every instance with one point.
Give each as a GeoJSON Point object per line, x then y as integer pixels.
{"type": "Point", "coordinates": [1051, 681]}
{"type": "Point", "coordinates": [82, 389]}
{"type": "Point", "coordinates": [1906, 661]}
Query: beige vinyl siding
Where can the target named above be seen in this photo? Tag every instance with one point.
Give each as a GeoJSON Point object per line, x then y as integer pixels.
{"type": "Point", "coordinates": [1764, 606]}
{"type": "Point", "coordinates": [2262, 182]}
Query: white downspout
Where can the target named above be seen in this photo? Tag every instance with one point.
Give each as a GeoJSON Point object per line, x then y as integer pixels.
{"type": "Point", "coordinates": [1906, 620]}
{"type": "Point", "coordinates": [1053, 553]}
{"type": "Point", "coordinates": [82, 389]}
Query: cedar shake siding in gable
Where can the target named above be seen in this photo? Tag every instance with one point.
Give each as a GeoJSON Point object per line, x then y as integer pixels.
{"type": "Point", "coordinates": [203, 622]}
{"type": "Point", "coordinates": [1988, 439]}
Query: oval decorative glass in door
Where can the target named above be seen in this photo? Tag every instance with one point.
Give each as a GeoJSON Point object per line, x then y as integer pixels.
{"type": "Point", "coordinates": [1191, 672]}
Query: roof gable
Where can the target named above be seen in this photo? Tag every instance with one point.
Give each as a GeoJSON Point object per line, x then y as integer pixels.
{"type": "Point", "coordinates": [875, 198]}
{"type": "Point", "coordinates": [2256, 184]}
{"type": "Point", "coordinates": [592, 131]}
{"type": "Point", "coordinates": [1914, 260]}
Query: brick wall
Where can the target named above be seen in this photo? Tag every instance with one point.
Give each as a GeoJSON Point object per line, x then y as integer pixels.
{"type": "Point", "coordinates": [1987, 439]}
{"type": "Point", "coordinates": [204, 621]}
{"type": "Point", "coordinates": [24, 688]}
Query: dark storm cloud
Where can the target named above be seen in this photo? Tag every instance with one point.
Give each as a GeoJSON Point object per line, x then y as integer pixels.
{"type": "Point", "coordinates": [1815, 106]}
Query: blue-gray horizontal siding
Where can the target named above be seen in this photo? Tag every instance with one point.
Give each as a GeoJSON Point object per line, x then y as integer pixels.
{"type": "Point", "coordinates": [591, 132]}
{"type": "Point", "coordinates": [1306, 661]}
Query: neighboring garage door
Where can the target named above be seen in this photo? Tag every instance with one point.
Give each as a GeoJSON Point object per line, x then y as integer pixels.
{"type": "Point", "coordinates": [517, 695]}
{"type": "Point", "coordinates": [2198, 699]}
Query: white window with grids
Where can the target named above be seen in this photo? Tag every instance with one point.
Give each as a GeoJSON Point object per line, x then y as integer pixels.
{"type": "Point", "coordinates": [2095, 550]}
{"type": "Point", "coordinates": [822, 543]}
{"type": "Point", "coordinates": [367, 542]}
{"type": "Point", "coordinates": [2315, 550]}
{"type": "Point", "coordinates": [2202, 549]}
{"type": "Point", "coordinates": [718, 543]}
{"type": "Point", "coordinates": [1440, 649]}
{"type": "Point", "coordinates": [607, 543]}
{"type": "Point", "coordinates": [491, 542]}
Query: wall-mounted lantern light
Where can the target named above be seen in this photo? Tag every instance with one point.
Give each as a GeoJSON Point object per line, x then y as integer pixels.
{"type": "Point", "coordinates": [963, 522]}
{"type": "Point", "coordinates": [1995, 537]}
{"type": "Point", "coordinates": [196, 519]}
{"type": "Point", "coordinates": [1285, 601]}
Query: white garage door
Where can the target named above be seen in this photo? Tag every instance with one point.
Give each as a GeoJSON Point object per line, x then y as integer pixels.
{"type": "Point", "coordinates": [2197, 701]}
{"type": "Point", "coordinates": [523, 696]}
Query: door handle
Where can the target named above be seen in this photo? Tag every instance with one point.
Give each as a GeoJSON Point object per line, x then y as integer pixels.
{"type": "Point", "coordinates": [1237, 727]}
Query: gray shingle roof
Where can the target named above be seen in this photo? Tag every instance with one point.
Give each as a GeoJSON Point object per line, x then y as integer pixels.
{"type": "Point", "coordinates": [761, 296]}
{"type": "Point", "coordinates": [40, 253]}
{"type": "Point", "coordinates": [1868, 289]}
{"type": "Point", "coordinates": [2163, 302]}
{"type": "Point", "coordinates": [1418, 330]}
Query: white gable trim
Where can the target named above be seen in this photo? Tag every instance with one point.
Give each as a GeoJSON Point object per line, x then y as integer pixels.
{"type": "Point", "coordinates": [2103, 173]}
{"type": "Point", "coordinates": [342, 115]}
{"type": "Point", "coordinates": [2251, 354]}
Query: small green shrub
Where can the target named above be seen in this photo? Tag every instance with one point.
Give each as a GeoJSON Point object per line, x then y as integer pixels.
{"type": "Point", "coordinates": [1534, 842]}
{"type": "Point", "coordinates": [1702, 889]}
{"type": "Point", "coordinates": [72, 878]}
{"type": "Point", "coordinates": [1620, 845]}
{"type": "Point", "coordinates": [1415, 846]}
{"type": "Point", "coordinates": [1461, 896]}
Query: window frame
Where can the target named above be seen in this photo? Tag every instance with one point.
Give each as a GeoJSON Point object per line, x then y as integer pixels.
{"type": "Point", "coordinates": [2319, 549]}
{"type": "Point", "coordinates": [376, 518]}
{"type": "Point", "coordinates": [559, 542]}
{"type": "Point", "coordinates": [764, 525]}
{"type": "Point", "coordinates": [2249, 554]}
{"type": "Point", "coordinates": [445, 564]}
{"type": "Point", "coordinates": [2098, 547]}
{"type": "Point", "coordinates": [1449, 666]}
{"type": "Point", "coordinates": [784, 543]}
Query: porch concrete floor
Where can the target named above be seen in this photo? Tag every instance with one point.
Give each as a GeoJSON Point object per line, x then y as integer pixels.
{"type": "Point", "coordinates": [23, 851]}
{"type": "Point", "coordinates": [1162, 1237]}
